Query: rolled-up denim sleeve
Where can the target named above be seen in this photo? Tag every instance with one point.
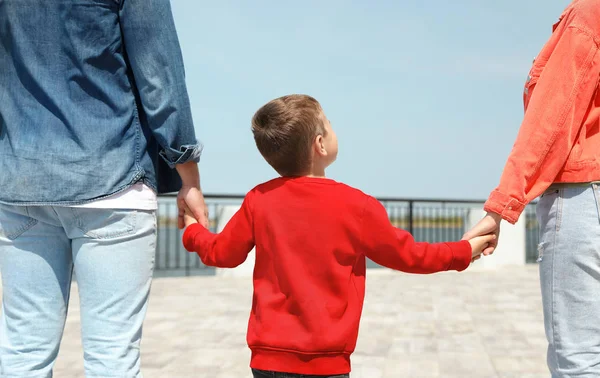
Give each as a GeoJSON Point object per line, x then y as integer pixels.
{"type": "Point", "coordinates": [153, 51]}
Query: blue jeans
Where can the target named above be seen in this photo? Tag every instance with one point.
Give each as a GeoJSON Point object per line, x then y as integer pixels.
{"type": "Point", "coordinates": [569, 256]}
{"type": "Point", "coordinates": [112, 255]}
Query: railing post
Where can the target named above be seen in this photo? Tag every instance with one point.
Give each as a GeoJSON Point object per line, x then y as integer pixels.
{"type": "Point", "coordinates": [411, 216]}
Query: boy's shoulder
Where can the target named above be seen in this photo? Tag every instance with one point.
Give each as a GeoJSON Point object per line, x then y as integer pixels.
{"type": "Point", "coordinates": [350, 190]}
{"type": "Point", "coordinates": [336, 186]}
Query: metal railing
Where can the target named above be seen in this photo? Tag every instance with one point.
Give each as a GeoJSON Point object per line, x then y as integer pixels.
{"type": "Point", "coordinates": [427, 219]}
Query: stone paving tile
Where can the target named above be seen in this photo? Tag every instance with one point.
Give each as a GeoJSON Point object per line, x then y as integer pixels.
{"type": "Point", "coordinates": [423, 365]}
{"type": "Point", "coordinates": [479, 323]}
{"type": "Point", "coordinates": [466, 364]}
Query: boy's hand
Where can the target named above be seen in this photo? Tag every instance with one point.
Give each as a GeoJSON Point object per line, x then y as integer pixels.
{"type": "Point", "coordinates": [479, 244]}
{"type": "Point", "coordinates": [188, 217]}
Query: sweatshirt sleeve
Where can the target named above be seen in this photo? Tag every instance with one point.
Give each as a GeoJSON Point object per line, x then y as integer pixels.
{"type": "Point", "coordinates": [228, 248]}
{"type": "Point", "coordinates": [396, 248]}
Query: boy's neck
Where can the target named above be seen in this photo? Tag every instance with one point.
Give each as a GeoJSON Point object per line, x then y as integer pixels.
{"type": "Point", "coordinates": [319, 173]}
{"type": "Point", "coordinates": [317, 170]}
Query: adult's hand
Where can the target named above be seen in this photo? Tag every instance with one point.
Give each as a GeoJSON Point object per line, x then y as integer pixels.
{"type": "Point", "coordinates": [193, 198]}
{"type": "Point", "coordinates": [190, 194]}
{"type": "Point", "coordinates": [489, 225]}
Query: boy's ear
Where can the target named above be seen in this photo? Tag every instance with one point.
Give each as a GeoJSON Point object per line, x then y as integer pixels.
{"type": "Point", "coordinates": [319, 145]}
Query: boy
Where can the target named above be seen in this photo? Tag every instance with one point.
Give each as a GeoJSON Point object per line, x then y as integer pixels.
{"type": "Point", "coordinates": [312, 236]}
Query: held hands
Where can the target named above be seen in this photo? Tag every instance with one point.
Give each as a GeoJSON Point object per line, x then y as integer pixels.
{"type": "Point", "coordinates": [489, 226]}
{"type": "Point", "coordinates": [188, 217]}
{"type": "Point", "coordinates": [479, 244]}
{"type": "Point", "coordinates": [190, 201]}
{"type": "Point", "coordinates": [190, 195]}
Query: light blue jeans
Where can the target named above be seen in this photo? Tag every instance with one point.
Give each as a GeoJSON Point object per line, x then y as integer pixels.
{"type": "Point", "coordinates": [112, 255]}
{"type": "Point", "coordinates": [569, 259]}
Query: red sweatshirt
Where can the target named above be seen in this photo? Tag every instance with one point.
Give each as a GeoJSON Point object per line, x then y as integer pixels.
{"type": "Point", "coordinates": [312, 236]}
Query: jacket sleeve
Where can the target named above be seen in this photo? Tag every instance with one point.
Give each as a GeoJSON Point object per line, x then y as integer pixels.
{"type": "Point", "coordinates": [553, 118]}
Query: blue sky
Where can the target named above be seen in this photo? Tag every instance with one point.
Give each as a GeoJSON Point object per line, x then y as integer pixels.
{"type": "Point", "coordinates": [425, 96]}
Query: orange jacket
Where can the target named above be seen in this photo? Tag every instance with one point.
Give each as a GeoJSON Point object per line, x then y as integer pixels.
{"type": "Point", "coordinates": [559, 139]}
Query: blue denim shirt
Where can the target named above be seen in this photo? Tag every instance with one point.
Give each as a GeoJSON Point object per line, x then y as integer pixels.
{"type": "Point", "coordinates": [92, 99]}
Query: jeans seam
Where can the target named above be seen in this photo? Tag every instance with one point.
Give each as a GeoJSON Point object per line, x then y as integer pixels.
{"type": "Point", "coordinates": [596, 199]}
{"type": "Point", "coordinates": [154, 242]}
{"type": "Point", "coordinates": [559, 203]}
{"type": "Point", "coordinates": [555, 332]}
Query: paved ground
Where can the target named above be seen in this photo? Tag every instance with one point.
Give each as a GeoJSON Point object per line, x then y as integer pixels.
{"type": "Point", "coordinates": [482, 324]}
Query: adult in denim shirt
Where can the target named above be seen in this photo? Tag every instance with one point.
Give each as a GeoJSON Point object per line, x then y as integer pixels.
{"type": "Point", "coordinates": [94, 121]}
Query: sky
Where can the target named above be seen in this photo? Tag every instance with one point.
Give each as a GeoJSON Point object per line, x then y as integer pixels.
{"type": "Point", "coordinates": [424, 96]}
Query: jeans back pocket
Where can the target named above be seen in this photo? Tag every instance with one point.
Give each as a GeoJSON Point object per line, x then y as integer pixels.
{"type": "Point", "coordinates": [105, 223]}
{"type": "Point", "coordinates": [14, 221]}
